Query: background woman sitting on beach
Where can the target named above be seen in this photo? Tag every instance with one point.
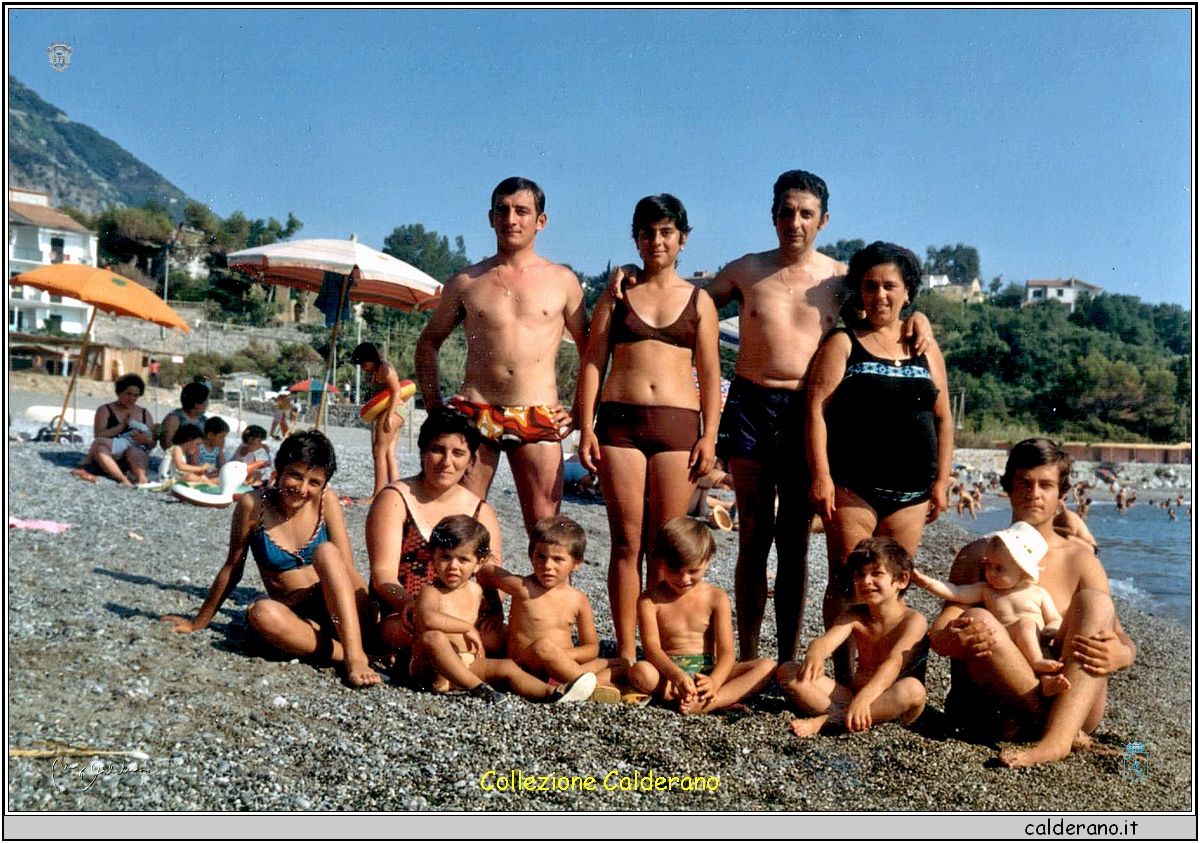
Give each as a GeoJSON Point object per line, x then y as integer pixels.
{"type": "Point", "coordinates": [880, 438]}
{"type": "Point", "coordinates": [124, 433]}
{"type": "Point", "coordinates": [193, 400]}
{"type": "Point", "coordinates": [317, 599]}
{"type": "Point", "coordinates": [646, 440]}
{"type": "Point", "coordinates": [403, 516]}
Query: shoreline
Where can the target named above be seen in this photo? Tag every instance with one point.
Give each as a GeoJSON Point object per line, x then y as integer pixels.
{"type": "Point", "coordinates": [227, 727]}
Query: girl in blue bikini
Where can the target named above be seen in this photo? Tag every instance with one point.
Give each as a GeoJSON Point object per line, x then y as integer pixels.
{"type": "Point", "coordinates": [317, 601]}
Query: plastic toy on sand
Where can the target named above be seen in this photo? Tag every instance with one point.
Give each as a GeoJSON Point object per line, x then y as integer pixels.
{"type": "Point", "coordinates": [232, 486]}
{"type": "Point", "coordinates": [374, 408]}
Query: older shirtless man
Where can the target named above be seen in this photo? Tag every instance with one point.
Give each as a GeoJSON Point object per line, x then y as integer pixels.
{"type": "Point", "coordinates": [991, 682]}
{"type": "Point", "coordinates": [514, 307]}
{"type": "Point", "coordinates": [788, 298]}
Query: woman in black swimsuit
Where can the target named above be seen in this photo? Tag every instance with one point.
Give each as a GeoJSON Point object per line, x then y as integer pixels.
{"type": "Point", "coordinates": [403, 516]}
{"type": "Point", "coordinates": [124, 433]}
{"type": "Point", "coordinates": [880, 438]}
{"type": "Point", "coordinates": [646, 440]}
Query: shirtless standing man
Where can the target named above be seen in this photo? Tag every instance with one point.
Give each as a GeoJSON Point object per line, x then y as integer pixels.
{"type": "Point", "coordinates": [788, 299]}
{"type": "Point", "coordinates": [989, 676]}
{"type": "Point", "coordinates": [514, 307]}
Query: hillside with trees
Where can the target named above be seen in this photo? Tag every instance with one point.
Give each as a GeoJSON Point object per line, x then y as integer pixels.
{"type": "Point", "coordinates": [75, 164]}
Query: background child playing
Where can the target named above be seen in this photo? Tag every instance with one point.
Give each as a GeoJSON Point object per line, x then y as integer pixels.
{"type": "Point", "coordinates": [687, 629]}
{"type": "Point", "coordinates": [546, 609]}
{"type": "Point", "coordinates": [212, 450]}
{"type": "Point", "coordinates": [182, 461]}
{"type": "Point", "coordinates": [448, 645]}
{"type": "Point", "coordinates": [253, 449]}
{"type": "Point", "coordinates": [887, 684]}
{"type": "Point", "coordinates": [282, 421]}
{"type": "Point", "coordinates": [1012, 595]}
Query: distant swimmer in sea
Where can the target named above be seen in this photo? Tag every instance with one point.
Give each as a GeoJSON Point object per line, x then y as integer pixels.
{"type": "Point", "coordinates": [1171, 513]}
{"type": "Point", "coordinates": [967, 503]}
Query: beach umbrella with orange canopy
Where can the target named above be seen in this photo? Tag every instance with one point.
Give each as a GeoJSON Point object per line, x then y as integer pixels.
{"type": "Point", "coordinates": [103, 290]}
{"type": "Point", "coordinates": [359, 272]}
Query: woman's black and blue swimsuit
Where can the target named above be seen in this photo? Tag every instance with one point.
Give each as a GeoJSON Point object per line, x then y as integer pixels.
{"type": "Point", "coordinates": [882, 440]}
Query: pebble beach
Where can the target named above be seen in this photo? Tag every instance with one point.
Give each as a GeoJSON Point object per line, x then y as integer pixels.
{"type": "Point", "coordinates": [217, 724]}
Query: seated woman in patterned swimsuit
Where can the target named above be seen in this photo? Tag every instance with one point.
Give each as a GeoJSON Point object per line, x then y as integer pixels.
{"type": "Point", "coordinates": [404, 514]}
{"type": "Point", "coordinates": [879, 434]}
{"type": "Point", "coordinates": [317, 599]}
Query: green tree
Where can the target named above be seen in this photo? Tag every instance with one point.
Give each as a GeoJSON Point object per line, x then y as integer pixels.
{"type": "Point", "coordinates": [1158, 409]}
{"type": "Point", "coordinates": [842, 250]}
{"type": "Point", "coordinates": [1011, 296]}
{"type": "Point", "coordinates": [960, 262]}
{"type": "Point", "coordinates": [427, 250]}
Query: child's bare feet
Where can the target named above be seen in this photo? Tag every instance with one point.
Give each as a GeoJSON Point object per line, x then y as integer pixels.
{"type": "Point", "coordinates": [1054, 684]}
{"type": "Point", "coordinates": [1046, 666]}
{"type": "Point", "coordinates": [360, 675]}
{"type": "Point", "coordinates": [1039, 754]}
{"type": "Point", "coordinates": [805, 727]}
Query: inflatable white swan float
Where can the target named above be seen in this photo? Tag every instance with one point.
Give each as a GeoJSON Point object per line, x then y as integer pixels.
{"type": "Point", "coordinates": [231, 487]}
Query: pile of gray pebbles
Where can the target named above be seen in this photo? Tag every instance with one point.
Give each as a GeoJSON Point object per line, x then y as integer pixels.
{"type": "Point", "coordinates": [216, 724]}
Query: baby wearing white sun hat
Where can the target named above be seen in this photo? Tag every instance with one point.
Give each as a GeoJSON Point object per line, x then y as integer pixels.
{"type": "Point", "coordinates": [1011, 593]}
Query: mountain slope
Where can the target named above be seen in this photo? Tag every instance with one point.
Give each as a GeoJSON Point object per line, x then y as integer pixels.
{"type": "Point", "coordinates": [74, 163]}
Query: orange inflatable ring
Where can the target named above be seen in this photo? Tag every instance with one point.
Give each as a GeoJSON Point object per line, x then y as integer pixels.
{"type": "Point", "coordinates": [376, 407]}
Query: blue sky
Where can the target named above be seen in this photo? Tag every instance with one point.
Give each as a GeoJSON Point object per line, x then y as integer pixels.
{"type": "Point", "coordinates": [1057, 142]}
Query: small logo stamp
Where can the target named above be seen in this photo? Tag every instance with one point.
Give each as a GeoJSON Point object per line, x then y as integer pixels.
{"type": "Point", "coordinates": [1134, 761]}
{"type": "Point", "coordinates": [60, 55]}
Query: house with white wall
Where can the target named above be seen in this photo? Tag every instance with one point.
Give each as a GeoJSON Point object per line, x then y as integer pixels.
{"type": "Point", "coordinates": [1066, 291]}
{"type": "Point", "coordinates": [39, 235]}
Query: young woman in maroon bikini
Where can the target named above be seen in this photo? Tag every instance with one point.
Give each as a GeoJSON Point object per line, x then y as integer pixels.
{"type": "Point", "coordinates": [404, 514]}
{"type": "Point", "coordinates": [652, 435]}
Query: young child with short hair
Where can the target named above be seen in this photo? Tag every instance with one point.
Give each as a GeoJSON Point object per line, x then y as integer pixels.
{"type": "Point", "coordinates": [547, 610]}
{"type": "Point", "coordinates": [212, 450]}
{"type": "Point", "coordinates": [1011, 593]}
{"type": "Point", "coordinates": [687, 629]}
{"type": "Point", "coordinates": [182, 461]}
{"type": "Point", "coordinates": [253, 449]}
{"type": "Point", "coordinates": [890, 636]}
{"type": "Point", "coordinates": [448, 647]}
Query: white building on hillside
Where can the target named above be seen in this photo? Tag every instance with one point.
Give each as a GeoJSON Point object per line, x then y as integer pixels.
{"type": "Point", "coordinates": [39, 235]}
{"type": "Point", "coordinates": [1066, 291]}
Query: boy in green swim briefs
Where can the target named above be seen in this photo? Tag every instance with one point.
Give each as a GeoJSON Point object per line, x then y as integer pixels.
{"type": "Point", "coordinates": [687, 629]}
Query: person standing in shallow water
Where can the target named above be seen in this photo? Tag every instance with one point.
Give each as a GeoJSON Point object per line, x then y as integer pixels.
{"type": "Point", "coordinates": [514, 308]}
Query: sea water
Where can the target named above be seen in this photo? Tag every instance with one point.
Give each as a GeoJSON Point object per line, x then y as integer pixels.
{"type": "Point", "coordinates": [1148, 557]}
